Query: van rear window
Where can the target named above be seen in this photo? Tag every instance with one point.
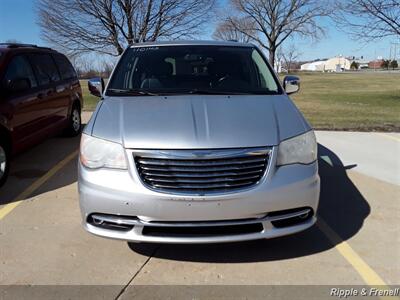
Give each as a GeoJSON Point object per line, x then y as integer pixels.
{"type": "Point", "coordinates": [66, 69]}
{"type": "Point", "coordinates": [45, 68]}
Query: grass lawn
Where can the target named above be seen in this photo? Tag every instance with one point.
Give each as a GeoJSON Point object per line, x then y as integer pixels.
{"type": "Point", "coordinates": [352, 101]}
{"type": "Point", "coordinates": [89, 101]}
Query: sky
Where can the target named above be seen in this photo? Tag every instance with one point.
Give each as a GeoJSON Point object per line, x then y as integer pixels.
{"type": "Point", "coordinates": [18, 22]}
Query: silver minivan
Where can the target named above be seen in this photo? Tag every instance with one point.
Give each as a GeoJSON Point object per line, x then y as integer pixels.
{"type": "Point", "coordinates": [196, 142]}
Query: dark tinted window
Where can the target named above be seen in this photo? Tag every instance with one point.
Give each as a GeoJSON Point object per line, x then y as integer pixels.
{"type": "Point", "coordinates": [65, 67]}
{"type": "Point", "coordinates": [18, 68]}
{"type": "Point", "coordinates": [45, 68]}
{"type": "Point", "coordinates": [188, 69]}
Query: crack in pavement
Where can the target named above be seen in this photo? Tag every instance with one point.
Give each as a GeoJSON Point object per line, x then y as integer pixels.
{"type": "Point", "coordinates": [137, 272]}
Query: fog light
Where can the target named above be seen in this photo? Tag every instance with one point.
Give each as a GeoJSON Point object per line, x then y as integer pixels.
{"type": "Point", "coordinates": [291, 220]}
{"type": "Point", "coordinates": [108, 223]}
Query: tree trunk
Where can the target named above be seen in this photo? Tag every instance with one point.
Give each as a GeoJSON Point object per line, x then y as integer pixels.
{"type": "Point", "coordinates": [272, 51]}
{"type": "Point", "coordinates": [120, 50]}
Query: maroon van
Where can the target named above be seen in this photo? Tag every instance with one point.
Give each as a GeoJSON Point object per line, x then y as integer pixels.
{"type": "Point", "coordinates": [40, 96]}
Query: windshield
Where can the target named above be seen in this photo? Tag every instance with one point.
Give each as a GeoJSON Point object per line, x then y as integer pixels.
{"type": "Point", "coordinates": [191, 70]}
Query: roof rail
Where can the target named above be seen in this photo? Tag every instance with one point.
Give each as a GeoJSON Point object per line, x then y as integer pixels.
{"type": "Point", "coordinates": [21, 45]}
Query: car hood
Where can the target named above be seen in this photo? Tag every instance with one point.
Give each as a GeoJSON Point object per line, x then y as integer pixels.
{"type": "Point", "coordinates": [197, 121]}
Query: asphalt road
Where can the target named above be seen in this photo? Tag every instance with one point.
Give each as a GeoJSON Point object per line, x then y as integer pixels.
{"type": "Point", "coordinates": [356, 241]}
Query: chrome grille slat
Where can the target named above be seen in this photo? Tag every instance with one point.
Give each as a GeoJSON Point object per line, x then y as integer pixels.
{"type": "Point", "coordinates": [198, 180]}
{"type": "Point", "coordinates": [203, 174]}
{"type": "Point", "coordinates": [202, 186]}
{"type": "Point", "coordinates": [198, 169]}
{"type": "Point", "coordinates": [195, 171]}
{"type": "Point", "coordinates": [202, 163]}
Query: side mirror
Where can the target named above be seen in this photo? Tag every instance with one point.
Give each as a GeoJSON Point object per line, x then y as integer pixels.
{"type": "Point", "coordinates": [96, 86]}
{"type": "Point", "coordinates": [18, 84]}
{"type": "Point", "coordinates": [291, 84]}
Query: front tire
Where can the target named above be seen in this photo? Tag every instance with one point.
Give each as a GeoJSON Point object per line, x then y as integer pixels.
{"type": "Point", "coordinates": [75, 121]}
{"type": "Point", "coordinates": [4, 162]}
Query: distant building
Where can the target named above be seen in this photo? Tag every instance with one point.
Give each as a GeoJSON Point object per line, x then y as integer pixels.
{"type": "Point", "coordinates": [278, 66]}
{"type": "Point", "coordinates": [334, 64]}
{"type": "Point", "coordinates": [337, 64]}
{"type": "Point", "coordinates": [362, 63]}
{"type": "Point", "coordinates": [375, 64]}
{"type": "Point", "coordinates": [314, 66]}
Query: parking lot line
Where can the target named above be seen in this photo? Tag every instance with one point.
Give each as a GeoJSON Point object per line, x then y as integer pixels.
{"type": "Point", "coordinates": [37, 184]}
{"type": "Point", "coordinates": [370, 277]}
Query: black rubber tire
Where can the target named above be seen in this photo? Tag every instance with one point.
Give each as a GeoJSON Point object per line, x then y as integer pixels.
{"type": "Point", "coordinates": [73, 129]}
{"type": "Point", "coordinates": [4, 169]}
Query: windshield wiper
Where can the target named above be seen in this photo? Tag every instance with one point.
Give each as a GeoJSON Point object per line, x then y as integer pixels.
{"type": "Point", "coordinates": [220, 92]}
{"type": "Point", "coordinates": [134, 92]}
{"type": "Point", "coordinates": [131, 92]}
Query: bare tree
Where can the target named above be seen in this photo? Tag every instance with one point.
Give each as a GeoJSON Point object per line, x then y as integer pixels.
{"type": "Point", "coordinates": [279, 59]}
{"type": "Point", "coordinates": [369, 19]}
{"type": "Point", "coordinates": [289, 56]}
{"type": "Point", "coordinates": [108, 26]}
{"type": "Point", "coordinates": [106, 68]}
{"type": "Point", "coordinates": [82, 65]}
{"type": "Point", "coordinates": [271, 22]}
{"type": "Point", "coordinates": [227, 32]}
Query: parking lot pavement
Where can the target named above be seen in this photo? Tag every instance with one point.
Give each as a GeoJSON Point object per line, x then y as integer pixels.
{"type": "Point", "coordinates": [357, 240]}
{"type": "Point", "coordinates": [370, 153]}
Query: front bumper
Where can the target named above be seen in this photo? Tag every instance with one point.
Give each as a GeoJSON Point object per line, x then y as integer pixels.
{"type": "Point", "coordinates": [121, 193]}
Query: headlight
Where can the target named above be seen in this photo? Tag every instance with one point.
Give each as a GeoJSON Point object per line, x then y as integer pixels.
{"type": "Point", "coordinates": [301, 149]}
{"type": "Point", "coordinates": [97, 153]}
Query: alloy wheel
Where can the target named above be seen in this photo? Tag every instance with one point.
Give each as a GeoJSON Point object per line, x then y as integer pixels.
{"type": "Point", "coordinates": [76, 120]}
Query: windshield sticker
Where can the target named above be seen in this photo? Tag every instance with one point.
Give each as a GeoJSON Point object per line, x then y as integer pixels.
{"type": "Point", "coordinates": [144, 49]}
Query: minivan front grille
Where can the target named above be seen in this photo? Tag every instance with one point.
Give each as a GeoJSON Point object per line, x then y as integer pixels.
{"type": "Point", "coordinates": [202, 171]}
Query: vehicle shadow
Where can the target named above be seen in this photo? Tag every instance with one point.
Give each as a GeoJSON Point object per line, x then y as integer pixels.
{"type": "Point", "coordinates": [32, 165]}
{"type": "Point", "coordinates": [342, 207]}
